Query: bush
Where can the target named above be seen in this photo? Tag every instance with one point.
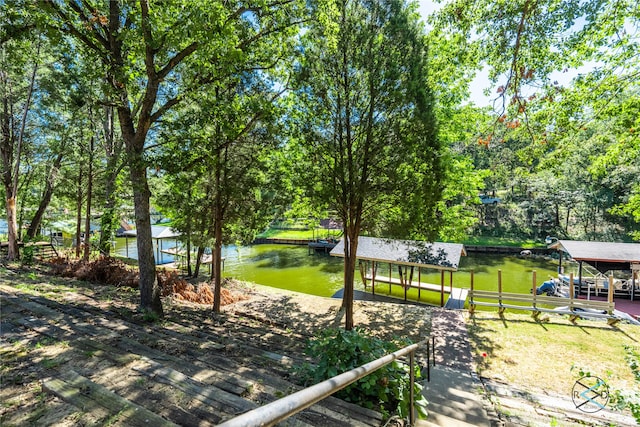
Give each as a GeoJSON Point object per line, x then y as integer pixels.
{"type": "Point", "coordinates": [387, 389]}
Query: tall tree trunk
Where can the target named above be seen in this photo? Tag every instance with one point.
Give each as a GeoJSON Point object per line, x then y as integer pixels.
{"type": "Point", "coordinates": [188, 254]}
{"type": "Point", "coordinates": [87, 225]}
{"type": "Point", "coordinates": [79, 213]}
{"type": "Point", "coordinates": [199, 254]}
{"type": "Point", "coordinates": [217, 251]}
{"type": "Point", "coordinates": [189, 227]}
{"type": "Point", "coordinates": [12, 227]}
{"type": "Point", "coordinates": [134, 142]}
{"type": "Point", "coordinates": [350, 251]}
{"type": "Point", "coordinates": [109, 220]}
{"type": "Point", "coordinates": [149, 289]}
{"type": "Point", "coordinates": [11, 153]}
{"type": "Point", "coordinates": [216, 258]}
{"type": "Point", "coordinates": [36, 221]}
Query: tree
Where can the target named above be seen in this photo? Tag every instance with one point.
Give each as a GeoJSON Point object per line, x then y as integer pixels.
{"type": "Point", "coordinates": [367, 119]}
{"type": "Point", "coordinates": [527, 44]}
{"type": "Point", "coordinates": [152, 57]}
{"type": "Point", "coordinates": [222, 143]}
{"type": "Point", "coordinates": [19, 56]}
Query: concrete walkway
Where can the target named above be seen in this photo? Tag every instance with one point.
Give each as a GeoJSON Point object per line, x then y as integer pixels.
{"type": "Point", "coordinates": [455, 395]}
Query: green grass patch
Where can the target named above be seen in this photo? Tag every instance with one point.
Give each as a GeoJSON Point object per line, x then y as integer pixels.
{"type": "Point", "coordinates": [502, 241]}
{"type": "Point", "coordinates": [297, 234]}
{"type": "Point", "coordinates": [540, 355]}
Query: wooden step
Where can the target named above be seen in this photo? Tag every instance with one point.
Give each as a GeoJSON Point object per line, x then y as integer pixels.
{"type": "Point", "coordinates": [209, 362]}
{"type": "Point", "coordinates": [88, 396]}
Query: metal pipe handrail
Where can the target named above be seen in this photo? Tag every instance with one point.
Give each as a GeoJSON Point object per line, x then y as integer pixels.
{"type": "Point", "coordinates": [283, 408]}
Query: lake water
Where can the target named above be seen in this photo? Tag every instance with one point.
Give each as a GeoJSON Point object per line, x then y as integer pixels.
{"type": "Point", "coordinates": [292, 268]}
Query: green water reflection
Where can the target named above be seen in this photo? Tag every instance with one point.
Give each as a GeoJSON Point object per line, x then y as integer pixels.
{"type": "Point", "coordinates": [292, 268]}
{"type": "Point", "coordinates": [285, 267]}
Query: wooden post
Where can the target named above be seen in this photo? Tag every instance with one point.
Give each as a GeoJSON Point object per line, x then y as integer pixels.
{"type": "Point", "coordinates": [579, 278]}
{"type": "Point", "coordinates": [363, 275]}
{"type": "Point", "coordinates": [500, 309]}
{"type": "Point", "coordinates": [572, 317]}
{"type": "Point", "coordinates": [407, 284]}
{"type": "Point", "coordinates": [472, 306]}
{"type": "Point", "coordinates": [374, 268]}
{"type": "Point", "coordinates": [450, 282]}
{"type": "Point", "coordinates": [390, 267]}
{"type": "Point", "coordinates": [610, 295]}
{"type": "Point", "coordinates": [634, 279]}
{"type": "Point", "coordinates": [419, 283]}
{"type": "Point", "coordinates": [535, 313]}
{"type": "Point", "coordinates": [441, 288]}
{"type": "Point", "coordinates": [571, 291]}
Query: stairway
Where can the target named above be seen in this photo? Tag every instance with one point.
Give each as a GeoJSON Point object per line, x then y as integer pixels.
{"type": "Point", "coordinates": [42, 251]}
{"type": "Point", "coordinates": [454, 392]}
{"type": "Point", "coordinates": [104, 362]}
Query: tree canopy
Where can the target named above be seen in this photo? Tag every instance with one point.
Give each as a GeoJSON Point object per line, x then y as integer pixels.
{"type": "Point", "coordinates": [226, 116]}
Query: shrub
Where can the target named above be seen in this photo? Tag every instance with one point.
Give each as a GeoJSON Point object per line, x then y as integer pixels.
{"type": "Point", "coordinates": [387, 389]}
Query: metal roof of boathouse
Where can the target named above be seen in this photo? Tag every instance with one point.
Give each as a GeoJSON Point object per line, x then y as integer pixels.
{"type": "Point", "coordinates": [157, 232]}
{"type": "Point", "coordinates": [602, 255]}
{"type": "Point", "coordinates": [441, 256]}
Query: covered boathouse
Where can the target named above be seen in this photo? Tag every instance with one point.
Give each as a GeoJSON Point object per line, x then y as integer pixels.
{"type": "Point", "coordinates": [410, 256]}
{"type": "Point", "coordinates": [604, 257]}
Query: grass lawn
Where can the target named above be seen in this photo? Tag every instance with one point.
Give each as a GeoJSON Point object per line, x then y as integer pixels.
{"type": "Point", "coordinates": [501, 241]}
{"type": "Point", "coordinates": [540, 355]}
{"type": "Point", "coordinates": [273, 233]}
{"type": "Point", "coordinates": [297, 234]}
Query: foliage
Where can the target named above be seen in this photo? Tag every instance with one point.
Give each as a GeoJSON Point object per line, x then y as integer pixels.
{"type": "Point", "coordinates": [624, 399]}
{"type": "Point", "coordinates": [387, 389]}
{"type": "Point", "coordinates": [26, 257]}
{"type": "Point", "coordinates": [580, 131]}
{"type": "Point", "coordinates": [366, 133]}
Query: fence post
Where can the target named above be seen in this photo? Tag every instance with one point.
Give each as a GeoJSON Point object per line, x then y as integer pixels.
{"type": "Point", "coordinates": [610, 296]}
{"type": "Point", "coordinates": [428, 361]}
{"type": "Point", "coordinates": [571, 291]}
{"type": "Point", "coordinates": [500, 307]}
{"type": "Point", "coordinates": [472, 306]}
{"type": "Point", "coordinates": [535, 313]}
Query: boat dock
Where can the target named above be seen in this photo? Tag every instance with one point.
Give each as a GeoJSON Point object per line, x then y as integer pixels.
{"type": "Point", "coordinates": [456, 299]}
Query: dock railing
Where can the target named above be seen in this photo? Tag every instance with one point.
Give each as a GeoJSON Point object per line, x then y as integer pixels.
{"type": "Point", "coordinates": [285, 407]}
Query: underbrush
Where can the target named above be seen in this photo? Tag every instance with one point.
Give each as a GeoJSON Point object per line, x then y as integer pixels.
{"type": "Point", "coordinates": [386, 390]}
{"type": "Point", "coordinates": [114, 272]}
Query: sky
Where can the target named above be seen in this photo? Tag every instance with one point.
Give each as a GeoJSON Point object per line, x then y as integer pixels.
{"type": "Point", "coordinates": [481, 81]}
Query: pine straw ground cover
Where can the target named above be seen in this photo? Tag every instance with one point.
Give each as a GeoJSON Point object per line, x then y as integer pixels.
{"type": "Point", "coordinates": [112, 271]}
